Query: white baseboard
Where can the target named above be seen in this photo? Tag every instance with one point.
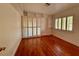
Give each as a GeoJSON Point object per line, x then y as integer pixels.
{"type": "Point", "coordinates": [17, 44]}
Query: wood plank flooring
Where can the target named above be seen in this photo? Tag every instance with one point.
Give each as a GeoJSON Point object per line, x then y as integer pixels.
{"type": "Point", "coordinates": [46, 46]}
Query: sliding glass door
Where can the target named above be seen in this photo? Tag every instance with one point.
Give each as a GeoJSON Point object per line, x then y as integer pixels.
{"type": "Point", "coordinates": [31, 27]}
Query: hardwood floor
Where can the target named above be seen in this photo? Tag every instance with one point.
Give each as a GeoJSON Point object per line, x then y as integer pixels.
{"type": "Point", "coordinates": [46, 46]}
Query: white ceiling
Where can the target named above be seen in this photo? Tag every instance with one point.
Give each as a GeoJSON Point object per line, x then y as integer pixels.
{"type": "Point", "coordinates": [42, 8]}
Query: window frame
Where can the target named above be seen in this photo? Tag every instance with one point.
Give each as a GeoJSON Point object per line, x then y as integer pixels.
{"type": "Point", "coordinates": [56, 23]}
{"type": "Point", "coordinates": [72, 23]}
{"type": "Point", "coordinates": [65, 23]}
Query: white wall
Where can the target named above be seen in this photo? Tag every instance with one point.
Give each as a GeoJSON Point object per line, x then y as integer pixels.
{"type": "Point", "coordinates": [10, 29]}
{"type": "Point", "coordinates": [72, 37]}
